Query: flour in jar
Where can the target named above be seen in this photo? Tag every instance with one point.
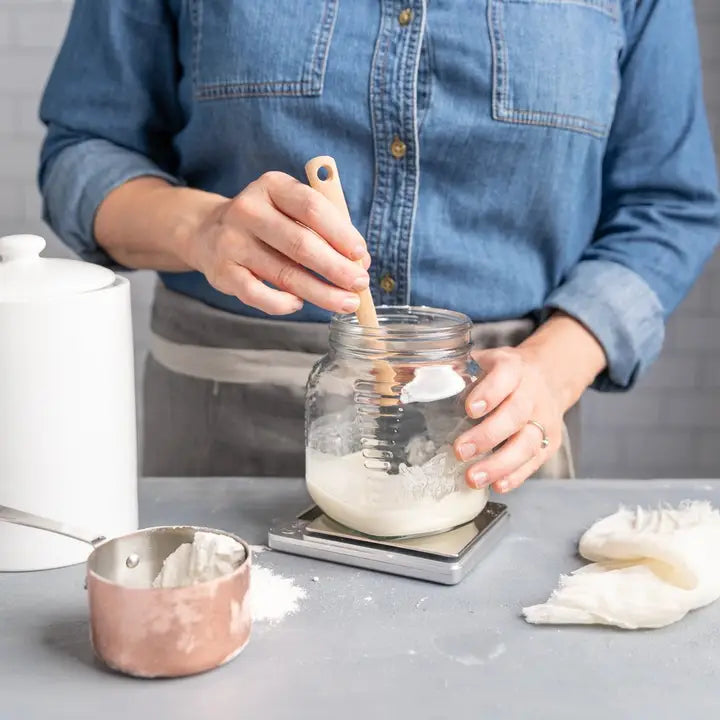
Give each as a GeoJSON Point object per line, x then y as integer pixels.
{"type": "Point", "coordinates": [427, 495]}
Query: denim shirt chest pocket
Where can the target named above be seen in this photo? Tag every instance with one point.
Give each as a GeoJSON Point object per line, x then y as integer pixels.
{"type": "Point", "coordinates": [555, 62]}
{"type": "Point", "coordinates": [245, 48]}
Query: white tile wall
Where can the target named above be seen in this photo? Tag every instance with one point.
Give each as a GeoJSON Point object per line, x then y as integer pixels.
{"type": "Point", "coordinates": [668, 426]}
{"type": "Point", "coordinates": [38, 24]}
{"type": "Point", "coordinates": [7, 116]}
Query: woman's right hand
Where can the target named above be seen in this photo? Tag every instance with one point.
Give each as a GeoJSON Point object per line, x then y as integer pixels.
{"type": "Point", "coordinates": [281, 231]}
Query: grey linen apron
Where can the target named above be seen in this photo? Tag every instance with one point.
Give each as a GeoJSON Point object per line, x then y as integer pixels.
{"type": "Point", "coordinates": [224, 394]}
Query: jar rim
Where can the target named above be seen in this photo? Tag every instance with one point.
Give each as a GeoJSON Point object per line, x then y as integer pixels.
{"type": "Point", "coordinates": [404, 322]}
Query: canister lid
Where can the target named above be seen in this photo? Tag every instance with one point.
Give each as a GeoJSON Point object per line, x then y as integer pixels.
{"type": "Point", "coordinates": [27, 277]}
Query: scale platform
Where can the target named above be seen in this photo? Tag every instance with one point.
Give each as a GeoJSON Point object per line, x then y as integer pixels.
{"type": "Point", "coordinates": [444, 558]}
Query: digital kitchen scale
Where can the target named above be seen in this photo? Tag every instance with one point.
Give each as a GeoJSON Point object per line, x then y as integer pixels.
{"type": "Point", "coordinates": [442, 558]}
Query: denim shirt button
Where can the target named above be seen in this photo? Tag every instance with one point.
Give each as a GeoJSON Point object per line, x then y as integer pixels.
{"type": "Point", "coordinates": [405, 17]}
{"type": "Point", "coordinates": [387, 283]}
{"type": "Point", "coordinates": [398, 148]}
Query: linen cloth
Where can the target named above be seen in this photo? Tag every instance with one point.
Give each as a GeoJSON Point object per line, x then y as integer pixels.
{"type": "Point", "coordinates": [648, 568]}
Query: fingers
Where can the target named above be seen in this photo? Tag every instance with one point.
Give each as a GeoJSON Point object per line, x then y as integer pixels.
{"type": "Point", "coordinates": [293, 282]}
{"type": "Point", "coordinates": [516, 478]}
{"type": "Point", "coordinates": [301, 245]}
{"type": "Point", "coordinates": [518, 451]}
{"type": "Point", "coordinates": [249, 289]}
{"type": "Point", "coordinates": [503, 422]}
{"type": "Point", "coordinates": [503, 373]}
{"type": "Point", "coordinates": [286, 275]}
{"type": "Point", "coordinates": [505, 447]}
{"type": "Point", "coordinates": [283, 232]}
{"type": "Point", "coordinates": [302, 203]}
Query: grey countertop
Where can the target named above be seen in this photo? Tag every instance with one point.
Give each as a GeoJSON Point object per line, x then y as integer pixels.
{"type": "Point", "coordinates": [371, 645]}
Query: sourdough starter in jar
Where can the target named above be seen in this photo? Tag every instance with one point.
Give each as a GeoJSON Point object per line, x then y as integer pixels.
{"type": "Point", "coordinates": [379, 458]}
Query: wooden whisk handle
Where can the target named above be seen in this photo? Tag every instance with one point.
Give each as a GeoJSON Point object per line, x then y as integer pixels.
{"type": "Point", "coordinates": [323, 176]}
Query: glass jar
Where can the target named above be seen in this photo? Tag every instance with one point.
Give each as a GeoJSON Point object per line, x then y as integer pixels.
{"type": "Point", "coordinates": [383, 408]}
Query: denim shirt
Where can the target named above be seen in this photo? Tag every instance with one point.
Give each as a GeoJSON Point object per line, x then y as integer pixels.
{"type": "Point", "coordinates": [502, 157]}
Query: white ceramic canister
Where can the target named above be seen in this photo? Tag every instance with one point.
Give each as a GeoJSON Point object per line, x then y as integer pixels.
{"type": "Point", "coordinates": [68, 443]}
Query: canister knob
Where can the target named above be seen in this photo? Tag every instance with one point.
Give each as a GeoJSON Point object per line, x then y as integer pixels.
{"type": "Point", "coordinates": [21, 247]}
{"type": "Point", "coordinates": [26, 276]}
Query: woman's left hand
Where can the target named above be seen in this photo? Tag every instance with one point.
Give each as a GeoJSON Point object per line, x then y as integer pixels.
{"type": "Point", "coordinates": [536, 382]}
{"type": "Point", "coordinates": [512, 392]}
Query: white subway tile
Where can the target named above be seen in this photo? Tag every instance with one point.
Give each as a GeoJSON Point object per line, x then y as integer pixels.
{"type": "Point", "coordinates": [698, 299]}
{"type": "Point", "coordinates": [638, 408]}
{"type": "Point", "coordinates": [709, 371]}
{"type": "Point", "coordinates": [6, 21]}
{"type": "Point", "coordinates": [23, 4]}
{"type": "Point", "coordinates": [671, 371]}
{"type": "Point", "coordinates": [707, 11]}
{"type": "Point", "coordinates": [699, 408]}
{"type": "Point", "coordinates": [708, 30]}
{"type": "Point", "coordinates": [24, 70]}
{"type": "Point", "coordinates": [41, 26]}
{"type": "Point", "coordinates": [714, 121]}
{"type": "Point", "coordinates": [14, 226]}
{"type": "Point", "coordinates": [715, 296]}
{"type": "Point", "coordinates": [7, 119]}
{"type": "Point", "coordinates": [19, 160]}
{"type": "Point", "coordinates": [602, 453]}
{"type": "Point", "coordinates": [27, 122]}
{"type": "Point", "coordinates": [712, 267]}
{"type": "Point", "coordinates": [55, 247]}
{"type": "Point", "coordinates": [708, 460]}
{"type": "Point", "coordinates": [694, 333]}
{"type": "Point", "coordinates": [32, 203]}
{"type": "Point", "coordinates": [11, 199]}
{"type": "Point", "coordinates": [663, 453]}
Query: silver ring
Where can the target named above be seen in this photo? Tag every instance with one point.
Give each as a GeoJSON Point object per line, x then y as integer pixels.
{"type": "Point", "coordinates": [545, 439]}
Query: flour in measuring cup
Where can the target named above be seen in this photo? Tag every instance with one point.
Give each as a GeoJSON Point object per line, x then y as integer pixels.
{"type": "Point", "coordinates": [208, 557]}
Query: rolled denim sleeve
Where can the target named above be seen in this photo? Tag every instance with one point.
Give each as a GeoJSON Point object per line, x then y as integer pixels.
{"type": "Point", "coordinates": [659, 222]}
{"type": "Point", "coordinates": [628, 322]}
{"type": "Point", "coordinates": [111, 111]}
{"type": "Point", "coordinates": [78, 179]}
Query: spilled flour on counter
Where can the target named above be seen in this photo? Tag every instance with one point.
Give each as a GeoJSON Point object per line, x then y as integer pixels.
{"type": "Point", "coordinates": [211, 555]}
{"type": "Point", "coordinates": [273, 596]}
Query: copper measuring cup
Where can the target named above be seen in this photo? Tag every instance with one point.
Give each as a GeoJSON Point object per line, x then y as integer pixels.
{"type": "Point", "coordinates": [156, 632]}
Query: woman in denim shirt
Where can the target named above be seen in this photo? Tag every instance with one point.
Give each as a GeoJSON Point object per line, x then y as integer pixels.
{"type": "Point", "coordinates": [543, 166]}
